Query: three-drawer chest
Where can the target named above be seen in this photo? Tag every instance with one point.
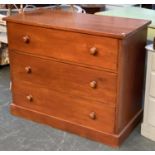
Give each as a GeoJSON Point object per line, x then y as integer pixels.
{"type": "Point", "coordinates": [78, 72]}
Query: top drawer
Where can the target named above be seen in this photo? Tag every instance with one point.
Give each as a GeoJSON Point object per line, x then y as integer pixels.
{"type": "Point", "coordinates": [64, 45]}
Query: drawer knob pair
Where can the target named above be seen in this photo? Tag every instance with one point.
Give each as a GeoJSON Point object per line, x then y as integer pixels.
{"type": "Point", "coordinates": [93, 84]}
{"type": "Point", "coordinates": [93, 51]}
{"type": "Point", "coordinates": [29, 98]}
{"type": "Point", "coordinates": [92, 115]}
{"type": "Point", "coordinates": [28, 69]}
{"type": "Point", "coordinates": [26, 39]}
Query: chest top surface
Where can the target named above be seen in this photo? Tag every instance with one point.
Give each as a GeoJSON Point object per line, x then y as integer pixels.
{"type": "Point", "coordinates": [115, 27]}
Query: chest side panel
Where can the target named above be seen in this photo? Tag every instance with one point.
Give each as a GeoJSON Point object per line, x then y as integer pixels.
{"type": "Point", "coordinates": [130, 79]}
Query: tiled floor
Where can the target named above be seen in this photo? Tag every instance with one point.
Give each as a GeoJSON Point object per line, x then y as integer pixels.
{"type": "Point", "coordinates": [21, 134]}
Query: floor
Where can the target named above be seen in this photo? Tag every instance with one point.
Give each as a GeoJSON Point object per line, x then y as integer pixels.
{"type": "Point", "coordinates": [20, 134]}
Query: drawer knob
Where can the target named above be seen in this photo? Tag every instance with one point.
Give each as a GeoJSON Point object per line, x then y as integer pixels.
{"type": "Point", "coordinates": [92, 115]}
{"type": "Point", "coordinates": [93, 51]}
{"type": "Point", "coordinates": [29, 98]}
{"type": "Point", "coordinates": [93, 84]}
{"type": "Point", "coordinates": [28, 69]}
{"type": "Point", "coordinates": [26, 39]}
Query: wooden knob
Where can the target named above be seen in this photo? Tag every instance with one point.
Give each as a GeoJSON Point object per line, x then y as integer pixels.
{"type": "Point", "coordinates": [93, 51]}
{"type": "Point", "coordinates": [29, 98]}
{"type": "Point", "coordinates": [26, 39]}
{"type": "Point", "coordinates": [93, 84]}
{"type": "Point", "coordinates": [28, 69]}
{"type": "Point", "coordinates": [92, 115]}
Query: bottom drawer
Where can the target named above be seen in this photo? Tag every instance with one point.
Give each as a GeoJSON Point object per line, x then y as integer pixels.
{"type": "Point", "coordinates": [76, 110]}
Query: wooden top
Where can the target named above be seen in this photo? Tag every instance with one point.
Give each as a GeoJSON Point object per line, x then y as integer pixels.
{"type": "Point", "coordinates": [116, 27]}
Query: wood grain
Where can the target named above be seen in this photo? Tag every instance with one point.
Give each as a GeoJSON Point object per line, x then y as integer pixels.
{"type": "Point", "coordinates": [65, 78]}
{"type": "Point", "coordinates": [64, 106]}
{"type": "Point", "coordinates": [111, 139]}
{"type": "Point", "coordinates": [66, 46]}
{"type": "Point", "coordinates": [130, 78]}
{"type": "Point", "coordinates": [115, 27]}
{"type": "Point", "coordinates": [80, 73]}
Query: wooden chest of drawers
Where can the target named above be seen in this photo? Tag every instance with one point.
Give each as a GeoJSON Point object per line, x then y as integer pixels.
{"type": "Point", "coordinates": [77, 72]}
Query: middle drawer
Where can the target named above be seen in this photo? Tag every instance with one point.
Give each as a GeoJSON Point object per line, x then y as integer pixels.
{"type": "Point", "coordinates": [66, 78]}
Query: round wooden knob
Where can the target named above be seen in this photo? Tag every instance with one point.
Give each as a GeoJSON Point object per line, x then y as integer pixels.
{"type": "Point", "coordinates": [93, 84]}
{"type": "Point", "coordinates": [29, 98]}
{"type": "Point", "coordinates": [26, 39]}
{"type": "Point", "coordinates": [28, 69]}
{"type": "Point", "coordinates": [93, 51]}
{"type": "Point", "coordinates": [92, 115]}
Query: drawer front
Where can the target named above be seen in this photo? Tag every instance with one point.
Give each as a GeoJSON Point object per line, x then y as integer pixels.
{"type": "Point", "coordinates": [76, 110]}
{"type": "Point", "coordinates": [85, 49]}
{"type": "Point", "coordinates": [71, 79]}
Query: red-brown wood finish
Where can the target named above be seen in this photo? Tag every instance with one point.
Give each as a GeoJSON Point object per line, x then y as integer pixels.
{"type": "Point", "coordinates": [70, 46]}
{"type": "Point", "coordinates": [79, 73]}
{"type": "Point", "coordinates": [74, 109]}
{"type": "Point", "coordinates": [115, 27]}
{"type": "Point", "coordinates": [66, 78]}
{"type": "Point", "coordinates": [131, 78]}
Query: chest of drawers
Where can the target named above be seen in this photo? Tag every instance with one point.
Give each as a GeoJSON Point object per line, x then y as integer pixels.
{"type": "Point", "coordinates": [77, 72]}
